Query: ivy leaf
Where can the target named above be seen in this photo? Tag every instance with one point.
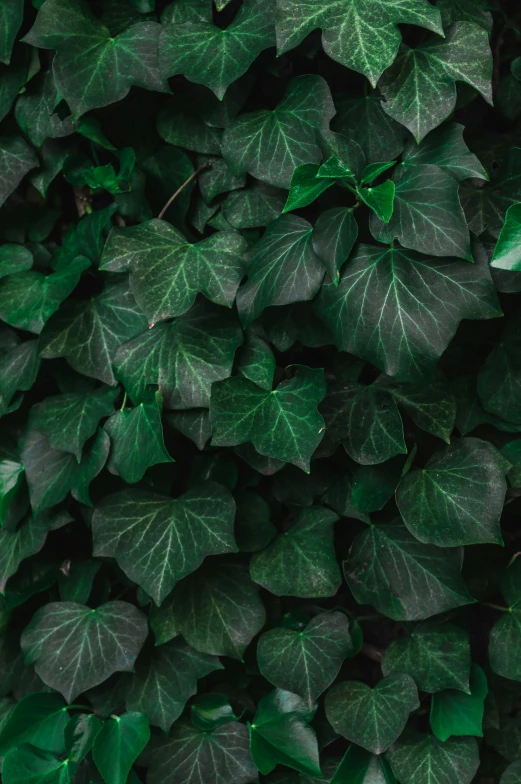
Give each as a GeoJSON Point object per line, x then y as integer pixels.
{"type": "Point", "coordinates": [505, 636]}
{"type": "Point", "coordinates": [89, 332]}
{"type": "Point", "coordinates": [182, 126]}
{"type": "Point", "coordinates": [500, 375]}
{"type": "Point", "coordinates": [165, 680]}
{"type": "Point", "coordinates": [436, 655]}
{"type": "Point", "coordinates": [35, 111]}
{"type": "Point", "coordinates": [458, 497]}
{"type": "Point", "coordinates": [283, 269]}
{"type": "Point", "coordinates": [380, 199]}
{"type": "Point", "coordinates": [257, 205]}
{"type": "Point", "coordinates": [372, 718]}
{"type": "Point", "coordinates": [362, 118]}
{"type": "Point", "coordinates": [456, 713]}
{"type": "Point", "coordinates": [29, 765]}
{"type": "Point", "coordinates": [194, 424]}
{"type": "Point", "coordinates": [16, 159]}
{"type": "Point", "coordinates": [280, 734]}
{"type": "Point", "coordinates": [79, 735]}
{"type": "Point", "coordinates": [512, 774]}
{"type": "Point", "coordinates": [379, 328]}
{"type": "Point", "coordinates": [75, 583]}
{"type": "Point", "coordinates": [217, 610]}
{"type": "Point", "coordinates": [306, 662]}
{"type": "Point", "coordinates": [136, 438]}
{"type": "Point", "coordinates": [418, 756]}
{"type": "Point", "coordinates": [216, 179]}
{"type": "Point", "coordinates": [74, 648]}
{"type": "Point", "coordinates": [14, 258]}
{"type": "Point", "coordinates": [52, 473]}
{"type": "Point", "coordinates": [28, 299]}
{"type": "Point", "coordinates": [445, 148]}
{"type": "Point", "coordinates": [283, 423]}
{"type": "Point", "coordinates": [427, 215]}
{"type": "Point", "coordinates": [419, 88]}
{"type": "Point", "coordinates": [196, 757]}
{"type": "Point", "coordinates": [18, 370]}
{"type": "Point", "coordinates": [402, 578]}
{"type": "Point", "coordinates": [158, 540]}
{"type": "Point", "coordinates": [270, 145]}
{"type": "Point", "coordinates": [11, 17]}
{"type": "Point", "coordinates": [363, 768]}
{"type": "Point", "coordinates": [184, 357]}
{"type": "Point", "coordinates": [167, 272]}
{"type": "Point", "coordinates": [431, 407]}
{"type": "Point", "coordinates": [486, 207]}
{"type": "Point", "coordinates": [334, 235]}
{"type": "Point", "coordinates": [38, 719]}
{"type": "Point", "coordinates": [208, 55]}
{"type": "Point", "coordinates": [301, 562]}
{"type": "Point", "coordinates": [86, 52]}
{"type": "Point", "coordinates": [307, 183]}
{"type": "Point", "coordinates": [506, 253]}
{"type": "Point", "coordinates": [12, 80]}
{"type": "Point", "coordinates": [67, 421]}
{"type": "Point", "coordinates": [118, 744]}
{"type": "Point", "coordinates": [363, 35]}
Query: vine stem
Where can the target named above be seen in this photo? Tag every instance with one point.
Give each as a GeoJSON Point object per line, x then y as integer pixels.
{"type": "Point", "coordinates": [495, 606]}
{"type": "Point", "coordinates": [174, 196]}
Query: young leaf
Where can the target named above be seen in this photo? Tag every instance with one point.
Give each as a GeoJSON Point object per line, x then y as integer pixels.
{"type": "Point", "coordinates": [29, 765]}
{"type": "Point", "coordinates": [307, 183]}
{"type": "Point", "coordinates": [380, 199]}
{"type": "Point", "coordinates": [158, 540]}
{"type": "Point", "coordinates": [38, 719]}
{"type": "Point", "coordinates": [118, 744]}
{"type": "Point", "coordinates": [456, 713]}
{"type": "Point", "coordinates": [79, 735]}
{"type": "Point", "coordinates": [506, 253]}
{"type": "Point", "coordinates": [74, 648]}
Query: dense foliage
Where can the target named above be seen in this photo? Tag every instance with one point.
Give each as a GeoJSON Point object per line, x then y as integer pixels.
{"type": "Point", "coordinates": [260, 389]}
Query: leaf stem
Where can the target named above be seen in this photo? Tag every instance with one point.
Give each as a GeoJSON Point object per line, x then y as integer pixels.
{"type": "Point", "coordinates": [496, 606]}
{"type": "Point", "coordinates": [124, 401]}
{"type": "Point", "coordinates": [194, 174]}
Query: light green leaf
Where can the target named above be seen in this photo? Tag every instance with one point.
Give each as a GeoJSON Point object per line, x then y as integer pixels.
{"type": "Point", "coordinates": [217, 610]}
{"type": "Point", "coordinates": [165, 679]}
{"type": "Point", "coordinates": [419, 88]}
{"type": "Point", "coordinates": [29, 765]}
{"type": "Point", "coordinates": [16, 160]}
{"type": "Point", "coordinates": [118, 744]}
{"type": "Point", "coordinates": [208, 55]}
{"type": "Point", "coordinates": [372, 718]}
{"type": "Point", "coordinates": [416, 757]}
{"type": "Point", "coordinates": [74, 648]}
{"type": "Point", "coordinates": [446, 148]}
{"type": "Point", "coordinates": [167, 272]}
{"type": "Point", "coordinates": [38, 719]}
{"type": "Point", "coordinates": [184, 357]}
{"type": "Point", "coordinates": [334, 235]}
{"type": "Point", "coordinates": [415, 306]}
{"type": "Point", "coordinates": [301, 562]}
{"type": "Point", "coordinates": [456, 713]}
{"type": "Point", "coordinates": [436, 655]}
{"type": "Point", "coordinates": [158, 540]}
{"type": "Point", "coordinates": [35, 111]}
{"type": "Point", "coordinates": [257, 205]}
{"type": "Point", "coordinates": [89, 332]}
{"type": "Point", "coordinates": [342, 155]}
{"type": "Point", "coordinates": [271, 144]}
{"type": "Point", "coordinates": [306, 662]}
{"type": "Point", "coordinates": [380, 199]}
{"type": "Point", "coordinates": [363, 35]}
{"type": "Point", "coordinates": [402, 578]}
{"type": "Point", "coordinates": [136, 439]}
{"type": "Point", "coordinates": [85, 53]}
{"type": "Point", "coordinates": [307, 183]}
{"type": "Point", "coordinates": [507, 254]}
{"type": "Point", "coordinates": [283, 423]}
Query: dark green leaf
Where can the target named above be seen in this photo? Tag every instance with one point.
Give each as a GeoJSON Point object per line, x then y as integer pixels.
{"type": "Point", "coordinates": [446, 148]}
{"type": "Point", "coordinates": [257, 205]}
{"type": "Point", "coordinates": [505, 637]}
{"type": "Point", "coordinates": [362, 118]}
{"type": "Point", "coordinates": [35, 111]}
{"type": "Point", "coordinates": [417, 756]}
{"type": "Point", "coordinates": [16, 159]}
{"type": "Point", "coordinates": [11, 16]}
{"type": "Point", "coordinates": [334, 235]}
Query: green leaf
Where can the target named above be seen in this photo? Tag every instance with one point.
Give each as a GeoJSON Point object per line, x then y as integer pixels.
{"type": "Point", "coordinates": [11, 16]}
{"type": "Point", "coordinates": [419, 88]}
{"type": "Point", "coordinates": [507, 255]}
{"type": "Point", "coordinates": [373, 170]}
{"type": "Point", "coordinates": [79, 735]}
{"type": "Point", "coordinates": [28, 299]}
{"type": "Point", "coordinates": [307, 183]}
{"type": "Point", "coordinates": [431, 407]}
{"type": "Point", "coordinates": [372, 718]}
{"type": "Point", "coordinates": [167, 272]}
{"type": "Point", "coordinates": [306, 662]}
{"type": "Point", "coordinates": [363, 768]}
{"type": "Point", "coordinates": [271, 144]}
{"type": "Point", "coordinates": [184, 357]}
{"type": "Point", "coordinates": [301, 562]}
{"type": "Point", "coordinates": [458, 497]}
{"type": "Point", "coordinates": [16, 159]}
{"type": "Point", "coordinates": [69, 420]}
{"type": "Point", "coordinates": [52, 473]}
{"type": "Point", "coordinates": [35, 111]}
{"type": "Point", "coordinates": [257, 205]}
{"type": "Point", "coordinates": [283, 423]}
{"type": "Point", "coordinates": [136, 439]}
{"type": "Point", "coordinates": [334, 235]}
{"type": "Point", "coordinates": [380, 329]}
{"type": "Point", "coordinates": [486, 206]}
{"type": "Point", "coordinates": [164, 681]}
{"type": "Point", "coordinates": [500, 375]}
{"type": "Point", "coordinates": [216, 179]}
{"type": "Point", "coordinates": [197, 757]}
{"type": "Point", "coordinates": [209, 711]}
{"type": "Point", "coordinates": [12, 80]}
{"type": "Point", "coordinates": [29, 765]}
{"type": "Point", "coordinates": [89, 332]}
{"type": "Point", "coordinates": [158, 540]}
{"type": "Point", "coordinates": [456, 713]}
{"type": "Point", "coordinates": [194, 424]}
{"type": "Point", "coordinates": [217, 610]}
{"type": "Point", "coordinates": [38, 719]}
{"type": "Point", "coordinates": [363, 35]}
{"type": "Point", "coordinates": [446, 148]}
{"type": "Point", "coordinates": [118, 744]}
{"type": "Point", "coordinates": [380, 199]}
{"type": "Point", "coordinates": [181, 125]}
{"type": "Point", "coordinates": [512, 774]}
{"type": "Point", "coordinates": [74, 648]}
{"type": "Point", "coordinates": [76, 580]}
{"type": "Point", "coordinates": [417, 757]}
{"type": "Point", "coordinates": [85, 53]}
{"type": "Point", "coordinates": [362, 118]}
{"type": "Point", "coordinates": [207, 55]}
{"type": "Point", "coordinates": [505, 637]}
{"type": "Point", "coordinates": [402, 578]}
{"type": "Point", "coordinates": [14, 258]}
{"type": "Point", "coordinates": [283, 268]}
{"type": "Point", "coordinates": [18, 370]}
{"type": "Point", "coordinates": [279, 734]}
{"type": "Point", "coordinates": [256, 361]}
{"type": "Point", "coordinates": [436, 655]}
{"type": "Point", "coordinates": [427, 215]}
